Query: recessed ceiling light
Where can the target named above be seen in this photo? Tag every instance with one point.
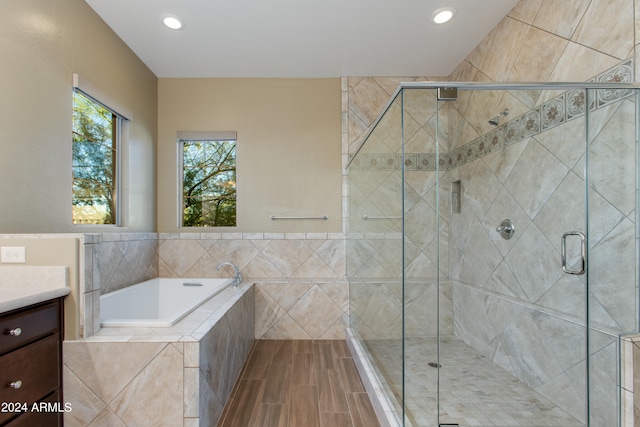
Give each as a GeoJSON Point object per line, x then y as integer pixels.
{"type": "Point", "coordinates": [443, 15]}
{"type": "Point", "coordinates": [172, 22]}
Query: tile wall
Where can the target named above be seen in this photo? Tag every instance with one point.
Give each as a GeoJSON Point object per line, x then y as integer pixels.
{"type": "Point", "coordinates": [112, 261]}
{"type": "Point", "coordinates": [178, 376]}
{"type": "Point", "coordinates": [508, 290]}
{"type": "Point", "coordinates": [222, 352]}
{"type": "Point", "coordinates": [506, 301]}
{"type": "Point", "coordinates": [375, 245]}
{"type": "Point", "coordinates": [493, 282]}
{"type": "Point", "coordinates": [630, 385]}
{"type": "Point", "coordinates": [301, 291]}
{"type": "Point", "coordinates": [312, 265]}
{"type": "Point", "coordinates": [120, 384]}
{"type": "Point", "coordinates": [538, 180]}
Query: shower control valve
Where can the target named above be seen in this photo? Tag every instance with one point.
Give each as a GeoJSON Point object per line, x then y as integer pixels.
{"type": "Point", "coordinates": [506, 229]}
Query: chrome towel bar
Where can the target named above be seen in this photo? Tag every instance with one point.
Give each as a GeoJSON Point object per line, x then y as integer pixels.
{"type": "Point", "coordinates": [365, 217]}
{"type": "Point", "coordinates": [323, 217]}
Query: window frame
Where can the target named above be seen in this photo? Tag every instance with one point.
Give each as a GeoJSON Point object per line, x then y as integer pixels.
{"type": "Point", "coordinates": [194, 136]}
{"type": "Point", "coordinates": [118, 121]}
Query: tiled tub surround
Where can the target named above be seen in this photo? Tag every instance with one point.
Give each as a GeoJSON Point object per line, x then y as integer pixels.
{"type": "Point", "coordinates": [181, 375]}
{"type": "Point", "coordinates": [303, 309]}
{"type": "Point", "coordinates": [301, 291]}
{"type": "Point", "coordinates": [271, 256]}
{"type": "Point", "coordinates": [300, 277]}
{"type": "Point", "coordinates": [113, 261]}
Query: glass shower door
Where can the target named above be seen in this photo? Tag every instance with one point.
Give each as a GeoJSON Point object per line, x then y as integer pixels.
{"type": "Point", "coordinates": [612, 251]}
{"type": "Point", "coordinates": [513, 348]}
{"type": "Point", "coordinates": [536, 311]}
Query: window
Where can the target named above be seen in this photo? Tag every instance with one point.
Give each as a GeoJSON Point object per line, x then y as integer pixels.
{"type": "Point", "coordinates": [96, 132]}
{"type": "Point", "coordinates": [208, 179]}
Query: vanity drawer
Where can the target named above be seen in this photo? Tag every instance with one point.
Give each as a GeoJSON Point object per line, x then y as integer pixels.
{"type": "Point", "coordinates": [26, 326]}
{"type": "Point", "coordinates": [36, 366]}
{"type": "Point", "coordinates": [49, 417]}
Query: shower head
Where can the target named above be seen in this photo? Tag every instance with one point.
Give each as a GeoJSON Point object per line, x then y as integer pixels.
{"type": "Point", "coordinates": [495, 121]}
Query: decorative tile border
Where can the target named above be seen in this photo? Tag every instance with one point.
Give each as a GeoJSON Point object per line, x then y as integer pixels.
{"type": "Point", "coordinates": [392, 161]}
{"type": "Point", "coordinates": [557, 111]}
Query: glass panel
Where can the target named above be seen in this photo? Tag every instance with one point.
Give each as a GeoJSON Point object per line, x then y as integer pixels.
{"type": "Point", "coordinates": [612, 248]}
{"type": "Point", "coordinates": [512, 332]}
{"type": "Point", "coordinates": [374, 252]}
{"type": "Point", "coordinates": [422, 290]}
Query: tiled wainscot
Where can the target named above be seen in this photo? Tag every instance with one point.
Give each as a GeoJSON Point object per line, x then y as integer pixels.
{"type": "Point", "coordinates": [176, 376]}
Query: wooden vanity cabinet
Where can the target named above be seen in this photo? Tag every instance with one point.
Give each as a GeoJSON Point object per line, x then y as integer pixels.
{"type": "Point", "coordinates": [31, 365]}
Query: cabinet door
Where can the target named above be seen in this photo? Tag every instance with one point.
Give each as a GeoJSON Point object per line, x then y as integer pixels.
{"type": "Point", "coordinates": [48, 416]}
{"type": "Point", "coordinates": [28, 374]}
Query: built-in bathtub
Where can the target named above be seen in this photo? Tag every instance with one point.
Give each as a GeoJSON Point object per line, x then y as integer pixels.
{"type": "Point", "coordinates": [159, 302]}
{"type": "Point", "coordinates": [179, 375]}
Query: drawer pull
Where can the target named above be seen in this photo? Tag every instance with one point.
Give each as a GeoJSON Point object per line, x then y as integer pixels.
{"type": "Point", "coordinates": [16, 332]}
{"type": "Point", "coordinates": [16, 384]}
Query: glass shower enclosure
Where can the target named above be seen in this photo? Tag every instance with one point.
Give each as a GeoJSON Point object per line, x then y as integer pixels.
{"type": "Point", "coordinates": [492, 252]}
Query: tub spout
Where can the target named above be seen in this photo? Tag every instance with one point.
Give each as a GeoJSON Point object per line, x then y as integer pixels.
{"type": "Point", "coordinates": [238, 279]}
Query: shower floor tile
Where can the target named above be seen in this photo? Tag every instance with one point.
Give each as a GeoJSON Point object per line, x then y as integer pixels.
{"type": "Point", "coordinates": [474, 391]}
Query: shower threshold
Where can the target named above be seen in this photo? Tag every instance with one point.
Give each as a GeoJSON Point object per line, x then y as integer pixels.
{"type": "Point", "coordinates": [474, 391]}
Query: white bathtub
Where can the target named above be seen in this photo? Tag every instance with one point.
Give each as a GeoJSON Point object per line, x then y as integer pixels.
{"type": "Point", "coordinates": [157, 302]}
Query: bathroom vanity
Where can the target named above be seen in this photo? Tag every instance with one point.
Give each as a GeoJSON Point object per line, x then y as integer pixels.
{"type": "Point", "coordinates": [31, 334]}
{"type": "Point", "coordinates": [31, 365]}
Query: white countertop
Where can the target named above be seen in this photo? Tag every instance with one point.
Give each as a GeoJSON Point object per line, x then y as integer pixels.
{"type": "Point", "coordinates": [21, 286]}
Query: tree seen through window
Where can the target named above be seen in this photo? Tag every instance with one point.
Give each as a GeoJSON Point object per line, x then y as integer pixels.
{"type": "Point", "coordinates": [209, 183]}
{"type": "Point", "coordinates": [95, 130]}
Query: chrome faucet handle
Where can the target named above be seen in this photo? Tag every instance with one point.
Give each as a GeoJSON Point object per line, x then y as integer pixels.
{"type": "Point", "coordinates": [238, 279]}
{"type": "Point", "coordinates": [506, 229]}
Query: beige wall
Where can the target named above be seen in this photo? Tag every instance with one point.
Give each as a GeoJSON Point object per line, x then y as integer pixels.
{"type": "Point", "coordinates": [42, 43]}
{"type": "Point", "coordinates": [288, 152]}
{"type": "Point", "coordinates": [55, 251]}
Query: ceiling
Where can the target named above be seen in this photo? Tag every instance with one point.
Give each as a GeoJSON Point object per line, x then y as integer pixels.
{"type": "Point", "coordinates": [301, 38]}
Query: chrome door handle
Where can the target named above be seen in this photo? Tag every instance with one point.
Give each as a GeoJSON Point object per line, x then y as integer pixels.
{"type": "Point", "coordinates": [583, 252]}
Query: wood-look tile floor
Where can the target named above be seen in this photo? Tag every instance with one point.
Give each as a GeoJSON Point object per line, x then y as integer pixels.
{"type": "Point", "coordinates": [299, 383]}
